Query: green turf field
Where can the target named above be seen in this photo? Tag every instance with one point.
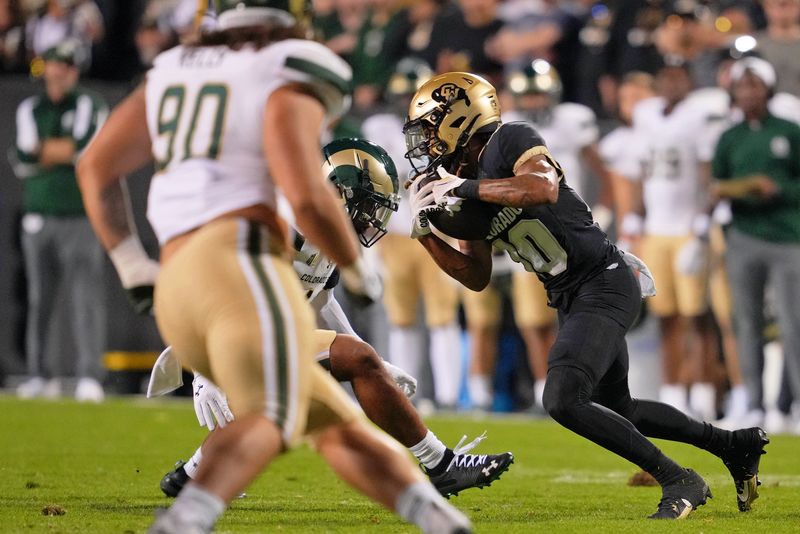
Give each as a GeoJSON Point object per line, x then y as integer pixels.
{"type": "Point", "coordinates": [102, 465]}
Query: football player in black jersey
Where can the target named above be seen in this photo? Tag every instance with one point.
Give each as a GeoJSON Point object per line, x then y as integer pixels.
{"type": "Point", "coordinates": [492, 184]}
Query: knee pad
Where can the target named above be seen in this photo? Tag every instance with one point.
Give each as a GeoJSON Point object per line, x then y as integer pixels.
{"type": "Point", "coordinates": [565, 390]}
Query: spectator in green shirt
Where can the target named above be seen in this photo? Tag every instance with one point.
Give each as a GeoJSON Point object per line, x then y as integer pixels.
{"type": "Point", "coordinates": [63, 260]}
{"type": "Point", "coordinates": [757, 167]}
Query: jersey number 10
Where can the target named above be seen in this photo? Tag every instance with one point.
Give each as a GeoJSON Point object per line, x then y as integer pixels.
{"type": "Point", "coordinates": [208, 109]}
{"type": "Point", "coordinates": [531, 244]}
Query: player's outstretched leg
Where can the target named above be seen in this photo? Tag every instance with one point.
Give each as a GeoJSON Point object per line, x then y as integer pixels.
{"type": "Point", "coordinates": [739, 450]}
{"type": "Point", "coordinates": [234, 456]}
{"type": "Point", "coordinates": [377, 467]}
{"type": "Point", "coordinates": [450, 470]}
{"type": "Point", "coordinates": [567, 398]}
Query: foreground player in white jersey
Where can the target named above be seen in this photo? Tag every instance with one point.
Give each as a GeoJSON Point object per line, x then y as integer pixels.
{"type": "Point", "coordinates": [229, 120]}
{"type": "Point", "coordinates": [366, 178]}
{"type": "Point", "coordinates": [623, 162]}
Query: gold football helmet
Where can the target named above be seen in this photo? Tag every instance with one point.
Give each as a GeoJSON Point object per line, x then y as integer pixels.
{"type": "Point", "coordinates": [446, 112]}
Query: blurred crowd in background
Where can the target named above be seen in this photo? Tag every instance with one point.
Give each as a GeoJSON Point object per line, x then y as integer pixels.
{"type": "Point", "coordinates": [632, 97]}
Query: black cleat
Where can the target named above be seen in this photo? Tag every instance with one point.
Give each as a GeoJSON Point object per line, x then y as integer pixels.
{"type": "Point", "coordinates": [679, 499]}
{"type": "Point", "coordinates": [742, 462]}
{"type": "Point", "coordinates": [174, 481]}
{"type": "Point", "coordinates": [466, 471]}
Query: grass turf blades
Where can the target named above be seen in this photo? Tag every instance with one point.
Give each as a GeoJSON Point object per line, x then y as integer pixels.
{"type": "Point", "coordinates": [101, 464]}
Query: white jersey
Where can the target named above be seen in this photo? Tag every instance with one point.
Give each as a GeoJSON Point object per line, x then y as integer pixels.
{"type": "Point", "coordinates": [386, 130]}
{"type": "Point", "coordinates": [205, 108]}
{"type": "Point", "coordinates": [668, 147]}
{"type": "Point", "coordinates": [619, 153]}
{"type": "Point", "coordinates": [572, 127]}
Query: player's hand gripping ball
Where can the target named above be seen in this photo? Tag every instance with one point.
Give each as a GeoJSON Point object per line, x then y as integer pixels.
{"type": "Point", "coordinates": [470, 222]}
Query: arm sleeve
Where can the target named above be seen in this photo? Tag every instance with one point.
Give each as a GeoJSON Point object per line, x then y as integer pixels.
{"type": "Point", "coordinates": [330, 313]}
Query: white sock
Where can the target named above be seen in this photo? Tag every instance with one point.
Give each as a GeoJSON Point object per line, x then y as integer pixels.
{"type": "Point", "coordinates": [674, 395]}
{"type": "Point", "coordinates": [193, 464]}
{"type": "Point", "coordinates": [446, 364]}
{"type": "Point", "coordinates": [737, 402]}
{"type": "Point", "coordinates": [405, 349]}
{"type": "Point", "coordinates": [429, 451]}
{"type": "Point", "coordinates": [196, 505]}
{"type": "Point", "coordinates": [422, 505]}
{"type": "Point", "coordinates": [703, 400]}
{"type": "Point", "coordinates": [538, 392]}
{"type": "Point", "coordinates": [480, 390]}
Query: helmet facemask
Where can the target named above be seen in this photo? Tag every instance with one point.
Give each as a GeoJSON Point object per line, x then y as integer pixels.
{"type": "Point", "coordinates": [369, 210]}
{"type": "Point", "coordinates": [366, 179]}
{"type": "Point", "coordinates": [424, 148]}
{"type": "Point", "coordinates": [443, 116]}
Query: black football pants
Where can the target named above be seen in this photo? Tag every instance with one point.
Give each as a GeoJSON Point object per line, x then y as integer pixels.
{"type": "Point", "coordinates": [587, 381]}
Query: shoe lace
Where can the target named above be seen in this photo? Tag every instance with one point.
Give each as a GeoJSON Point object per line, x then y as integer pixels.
{"type": "Point", "coordinates": [460, 456]}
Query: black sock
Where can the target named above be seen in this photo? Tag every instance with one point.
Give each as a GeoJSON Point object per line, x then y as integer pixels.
{"type": "Point", "coordinates": [716, 441]}
{"type": "Point", "coordinates": [664, 470]}
{"type": "Point", "coordinates": [442, 465]}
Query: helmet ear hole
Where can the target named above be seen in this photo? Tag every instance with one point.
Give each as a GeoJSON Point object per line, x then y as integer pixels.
{"type": "Point", "coordinates": [458, 122]}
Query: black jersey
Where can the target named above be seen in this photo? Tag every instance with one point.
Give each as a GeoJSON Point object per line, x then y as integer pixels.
{"type": "Point", "coordinates": [559, 242]}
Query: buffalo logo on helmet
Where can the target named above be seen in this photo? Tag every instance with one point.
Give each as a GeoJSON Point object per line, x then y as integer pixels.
{"type": "Point", "coordinates": [450, 92]}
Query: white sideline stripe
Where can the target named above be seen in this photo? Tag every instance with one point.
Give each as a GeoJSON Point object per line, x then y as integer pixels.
{"type": "Point", "coordinates": [265, 321]}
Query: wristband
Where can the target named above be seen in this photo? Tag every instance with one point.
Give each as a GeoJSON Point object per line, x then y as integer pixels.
{"type": "Point", "coordinates": [133, 265]}
{"type": "Point", "coordinates": [468, 189]}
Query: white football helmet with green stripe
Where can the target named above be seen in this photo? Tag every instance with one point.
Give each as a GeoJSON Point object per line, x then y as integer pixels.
{"type": "Point", "coordinates": [239, 13]}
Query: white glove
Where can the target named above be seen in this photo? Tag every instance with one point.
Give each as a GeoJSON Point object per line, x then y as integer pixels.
{"type": "Point", "coordinates": [362, 280]}
{"type": "Point", "coordinates": [406, 382]}
{"type": "Point", "coordinates": [210, 403]}
{"type": "Point", "coordinates": [421, 200]}
{"type": "Point", "coordinates": [647, 284]}
{"type": "Point", "coordinates": [444, 187]}
{"type": "Point", "coordinates": [692, 258]}
{"type": "Point", "coordinates": [166, 376]}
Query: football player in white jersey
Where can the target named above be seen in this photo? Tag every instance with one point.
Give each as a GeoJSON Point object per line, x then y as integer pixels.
{"type": "Point", "coordinates": [673, 198]}
{"type": "Point", "coordinates": [228, 121]}
{"type": "Point", "coordinates": [622, 160]}
{"type": "Point", "coordinates": [366, 178]}
{"type": "Point", "coordinates": [410, 274]}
